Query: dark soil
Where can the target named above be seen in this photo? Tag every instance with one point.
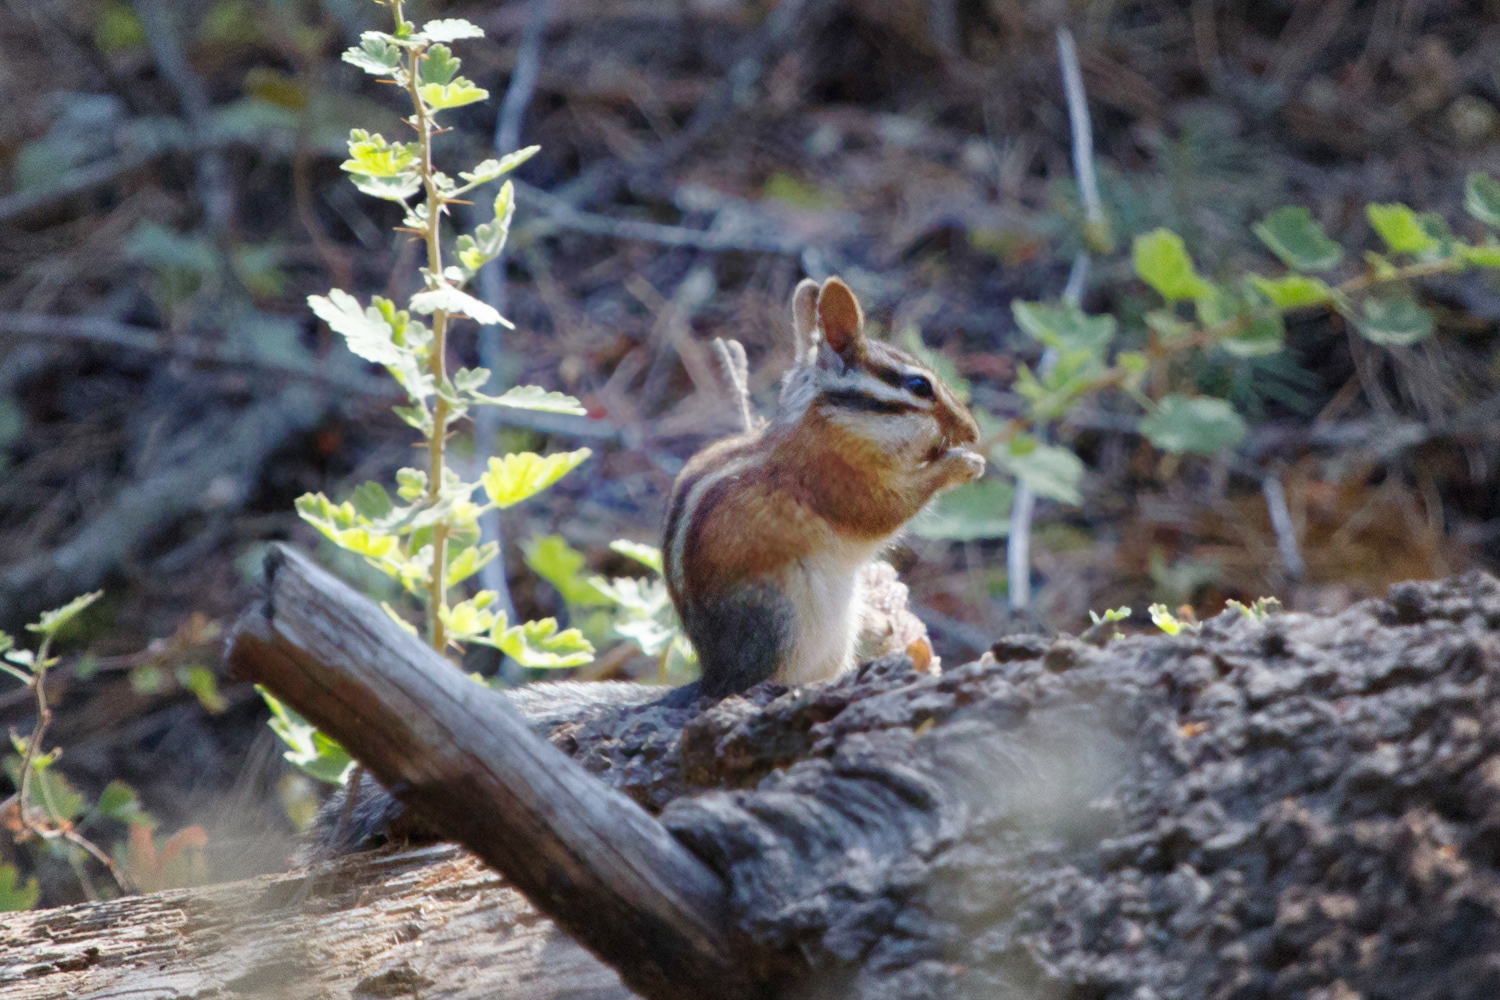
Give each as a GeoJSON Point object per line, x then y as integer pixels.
{"type": "Point", "coordinates": [1301, 806]}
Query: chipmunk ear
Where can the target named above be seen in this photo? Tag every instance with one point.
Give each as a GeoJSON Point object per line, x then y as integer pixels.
{"type": "Point", "coordinates": [805, 322]}
{"type": "Point", "coordinates": [840, 317]}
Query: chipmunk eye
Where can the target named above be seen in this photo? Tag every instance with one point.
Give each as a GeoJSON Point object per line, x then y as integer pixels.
{"type": "Point", "coordinates": [918, 385]}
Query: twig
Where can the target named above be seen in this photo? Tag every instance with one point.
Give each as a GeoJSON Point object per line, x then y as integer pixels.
{"type": "Point", "coordinates": [1281, 523]}
{"type": "Point", "coordinates": [61, 828]}
{"type": "Point", "coordinates": [737, 371]}
{"type": "Point", "coordinates": [1018, 544]}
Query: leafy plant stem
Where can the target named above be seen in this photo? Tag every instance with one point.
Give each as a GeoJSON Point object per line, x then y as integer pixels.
{"type": "Point", "coordinates": [61, 827]}
{"type": "Point", "coordinates": [438, 586]}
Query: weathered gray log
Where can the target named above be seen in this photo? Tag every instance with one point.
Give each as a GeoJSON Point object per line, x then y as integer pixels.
{"type": "Point", "coordinates": [459, 754]}
{"type": "Point", "coordinates": [432, 923]}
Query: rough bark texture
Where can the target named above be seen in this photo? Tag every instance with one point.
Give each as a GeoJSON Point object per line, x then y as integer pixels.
{"type": "Point", "coordinates": [1300, 806]}
{"type": "Point", "coordinates": [459, 753]}
{"type": "Point", "coordinates": [432, 923]}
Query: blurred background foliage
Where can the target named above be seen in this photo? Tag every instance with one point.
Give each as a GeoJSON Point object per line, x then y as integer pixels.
{"type": "Point", "coordinates": [170, 194]}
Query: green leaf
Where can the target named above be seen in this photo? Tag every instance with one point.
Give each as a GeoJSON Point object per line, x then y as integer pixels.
{"type": "Point", "coordinates": [1162, 261]}
{"type": "Point", "coordinates": [450, 29]}
{"type": "Point", "coordinates": [1199, 424]}
{"type": "Point", "coordinates": [451, 300]}
{"type": "Point", "coordinates": [1393, 321]}
{"type": "Point", "coordinates": [554, 560]}
{"type": "Point", "coordinates": [1400, 228]}
{"type": "Point", "coordinates": [489, 170]}
{"type": "Point", "coordinates": [371, 501]}
{"type": "Point", "coordinates": [532, 397]}
{"type": "Point", "coordinates": [374, 54]}
{"type": "Point", "coordinates": [442, 96]}
{"type": "Point", "coordinates": [15, 895]}
{"type": "Point", "coordinates": [315, 754]}
{"type": "Point", "coordinates": [365, 331]}
{"type": "Point", "coordinates": [205, 687]}
{"type": "Point", "coordinates": [439, 66]}
{"type": "Point", "coordinates": [1294, 291]}
{"type": "Point", "coordinates": [51, 622]}
{"type": "Point", "coordinates": [1064, 327]}
{"type": "Point", "coordinates": [489, 239]}
{"type": "Point", "coordinates": [967, 513]}
{"type": "Point", "coordinates": [118, 802]}
{"type": "Point", "coordinates": [524, 474]}
{"type": "Point", "coordinates": [1486, 255]}
{"type": "Point", "coordinates": [372, 156]}
{"type": "Point", "coordinates": [388, 188]}
{"type": "Point", "coordinates": [465, 562]}
{"type": "Point", "coordinates": [540, 645]}
{"type": "Point", "coordinates": [346, 528]}
{"type": "Point", "coordinates": [410, 484]}
{"type": "Point", "coordinates": [1482, 198]}
{"type": "Point", "coordinates": [475, 616]}
{"type": "Point", "coordinates": [648, 556]}
{"type": "Point", "coordinates": [1291, 234]}
{"type": "Point", "coordinates": [1049, 470]}
{"type": "Point", "coordinates": [1168, 622]}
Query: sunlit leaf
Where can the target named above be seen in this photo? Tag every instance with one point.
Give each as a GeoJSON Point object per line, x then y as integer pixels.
{"type": "Point", "coordinates": [515, 477]}
{"type": "Point", "coordinates": [489, 239]}
{"type": "Point", "coordinates": [472, 617]}
{"type": "Point", "coordinates": [1400, 228]}
{"type": "Point", "coordinates": [1198, 424]}
{"type": "Point", "coordinates": [1486, 255]}
{"type": "Point", "coordinates": [470, 560]}
{"type": "Point", "coordinates": [647, 555]}
{"type": "Point", "coordinates": [1293, 291]}
{"type": "Point", "coordinates": [1393, 321]}
{"type": "Point", "coordinates": [307, 748]}
{"type": "Point", "coordinates": [452, 300]}
{"type": "Point", "coordinates": [52, 621]}
{"type": "Point", "coordinates": [365, 330]}
{"type": "Point", "coordinates": [539, 644]}
{"type": "Point", "coordinates": [442, 96]}
{"type": "Point", "coordinates": [492, 169]}
{"type": "Point", "coordinates": [1161, 261]}
{"type": "Point", "coordinates": [1291, 234]}
{"type": "Point", "coordinates": [554, 560]}
{"type": "Point", "coordinates": [450, 29]}
{"type": "Point", "coordinates": [532, 397]}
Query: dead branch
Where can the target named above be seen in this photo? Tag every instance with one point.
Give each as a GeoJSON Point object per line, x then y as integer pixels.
{"type": "Point", "coordinates": [461, 757]}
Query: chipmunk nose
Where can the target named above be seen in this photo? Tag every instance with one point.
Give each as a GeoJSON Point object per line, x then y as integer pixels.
{"type": "Point", "coordinates": [961, 428]}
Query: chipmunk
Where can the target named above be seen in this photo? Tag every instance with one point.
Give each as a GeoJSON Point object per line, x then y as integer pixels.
{"type": "Point", "coordinates": [767, 532]}
{"type": "Point", "coordinates": [770, 536]}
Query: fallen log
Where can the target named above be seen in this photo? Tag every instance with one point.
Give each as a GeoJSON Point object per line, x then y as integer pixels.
{"type": "Point", "coordinates": [461, 756]}
{"type": "Point", "coordinates": [1262, 808]}
{"type": "Point", "coordinates": [433, 923]}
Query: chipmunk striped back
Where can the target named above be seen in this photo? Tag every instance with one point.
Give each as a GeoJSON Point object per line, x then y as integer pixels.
{"type": "Point", "coordinates": [766, 532]}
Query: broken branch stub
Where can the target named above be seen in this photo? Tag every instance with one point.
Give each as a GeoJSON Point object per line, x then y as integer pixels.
{"type": "Point", "coordinates": [588, 857]}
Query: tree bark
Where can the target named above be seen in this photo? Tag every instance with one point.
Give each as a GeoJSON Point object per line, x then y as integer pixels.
{"type": "Point", "coordinates": [433, 923]}
{"type": "Point", "coordinates": [460, 755]}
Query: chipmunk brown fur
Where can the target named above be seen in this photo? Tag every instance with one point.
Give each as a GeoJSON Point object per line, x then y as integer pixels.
{"type": "Point", "coordinates": [767, 531]}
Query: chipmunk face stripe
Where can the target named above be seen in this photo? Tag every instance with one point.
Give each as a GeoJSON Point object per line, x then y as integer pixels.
{"type": "Point", "coordinates": [853, 399]}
